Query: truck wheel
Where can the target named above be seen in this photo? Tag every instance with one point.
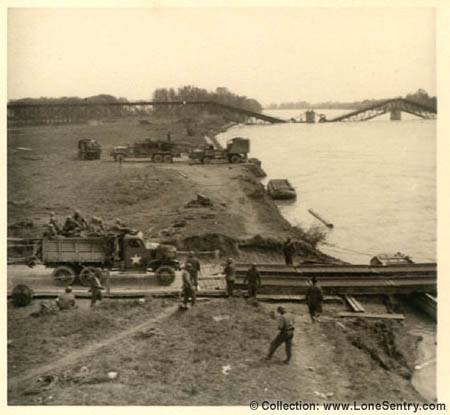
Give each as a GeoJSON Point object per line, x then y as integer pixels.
{"type": "Point", "coordinates": [157, 158]}
{"type": "Point", "coordinates": [86, 275]}
{"type": "Point", "coordinates": [119, 157]}
{"type": "Point", "coordinates": [206, 160]}
{"type": "Point", "coordinates": [235, 158]}
{"type": "Point", "coordinates": [64, 275]}
{"type": "Point", "coordinates": [168, 158]}
{"type": "Point", "coordinates": [165, 275]}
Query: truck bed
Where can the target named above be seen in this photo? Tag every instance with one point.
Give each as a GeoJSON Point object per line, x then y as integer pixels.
{"type": "Point", "coordinates": [89, 250]}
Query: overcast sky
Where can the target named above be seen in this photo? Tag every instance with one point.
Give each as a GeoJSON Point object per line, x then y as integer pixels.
{"type": "Point", "coordinates": [273, 55]}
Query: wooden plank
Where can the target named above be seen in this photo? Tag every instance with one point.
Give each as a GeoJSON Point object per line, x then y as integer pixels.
{"type": "Point", "coordinates": [370, 315]}
{"type": "Point", "coordinates": [354, 304]}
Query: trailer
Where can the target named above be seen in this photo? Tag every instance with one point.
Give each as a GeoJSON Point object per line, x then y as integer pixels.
{"type": "Point", "coordinates": [159, 151]}
{"type": "Point", "coordinates": [79, 258]}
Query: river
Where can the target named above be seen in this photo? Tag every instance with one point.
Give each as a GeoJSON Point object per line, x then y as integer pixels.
{"type": "Point", "coordinates": [374, 180]}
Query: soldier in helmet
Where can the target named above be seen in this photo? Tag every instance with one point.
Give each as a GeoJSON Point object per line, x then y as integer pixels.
{"type": "Point", "coordinates": [96, 289]}
{"type": "Point", "coordinates": [253, 277]}
{"type": "Point", "coordinates": [66, 301]}
{"type": "Point", "coordinates": [71, 227]}
{"type": "Point", "coordinates": [120, 230]}
{"type": "Point", "coordinates": [49, 233]}
{"type": "Point", "coordinates": [53, 221]}
{"type": "Point", "coordinates": [195, 267]}
{"type": "Point", "coordinates": [314, 299]}
{"type": "Point", "coordinates": [188, 287]}
{"type": "Point", "coordinates": [96, 227]}
{"type": "Point", "coordinates": [230, 277]}
{"type": "Point", "coordinates": [77, 217]}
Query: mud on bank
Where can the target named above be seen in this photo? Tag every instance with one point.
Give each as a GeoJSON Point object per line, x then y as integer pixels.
{"type": "Point", "coordinates": [155, 198]}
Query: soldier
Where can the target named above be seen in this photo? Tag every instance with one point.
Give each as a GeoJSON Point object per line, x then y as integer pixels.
{"type": "Point", "coordinates": [66, 301]}
{"type": "Point", "coordinates": [53, 221]}
{"type": "Point", "coordinates": [71, 227]}
{"type": "Point", "coordinates": [96, 227]}
{"type": "Point", "coordinates": [77, 217]}
{"type": "Point", "coordinates": [49, 233]}
{"type": "Point", "coordinates": [96, 289]}
{"type": "Point", "coordinates": [195, 267]}
{"type": "Point", "coordinates": [120, 229]}
{"type": "Point", "coordinates": [254, 280]}
{"type": "Point", "coordinates": [288, 251]}
{"type": "Point", "coordinates": [188, 288]}
{"type": "Point", "coordinates": [314, 298]}
{"type": "Point", "coordinates": [101, 225]}
{"type": "Point", "coordinates": [285, 335]}
{"type": "Point", "coordinates": [230, 277]}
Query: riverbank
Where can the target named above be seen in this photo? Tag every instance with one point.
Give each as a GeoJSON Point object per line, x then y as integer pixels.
{"type": "Point", "coordinates": [233, 215]}
{"type": "Point", "coordinates": [158, 199]}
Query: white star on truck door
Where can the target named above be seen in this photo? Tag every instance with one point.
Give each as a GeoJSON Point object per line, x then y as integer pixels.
{"type": "Point", "coordinates": [136, 259]}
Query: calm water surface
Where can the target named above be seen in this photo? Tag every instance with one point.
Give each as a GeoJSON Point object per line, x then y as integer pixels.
{"type": "Point", "coordinates": [374, 180]}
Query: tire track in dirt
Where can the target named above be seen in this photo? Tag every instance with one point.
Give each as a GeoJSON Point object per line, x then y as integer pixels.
{"type": "Point", "coordinates": [14, 382]}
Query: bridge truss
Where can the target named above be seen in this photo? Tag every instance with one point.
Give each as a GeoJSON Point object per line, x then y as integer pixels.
{"type": "Point", "coordinates": [392, 105]}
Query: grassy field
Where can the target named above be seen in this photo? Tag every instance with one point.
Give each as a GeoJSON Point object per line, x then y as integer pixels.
{"type": "Point", "coordinates": [211, 354]}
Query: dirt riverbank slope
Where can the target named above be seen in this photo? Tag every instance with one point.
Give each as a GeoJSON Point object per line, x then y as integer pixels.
{"type": "Point", "coordinates": [44, 175]}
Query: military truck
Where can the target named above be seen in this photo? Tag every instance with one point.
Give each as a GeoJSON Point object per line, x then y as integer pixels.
{"type": "Point", "coordinates": [79, 257]}
{"type": "Point", "coordinates": [159, 151]}
{"type": "Point", "coordinates": [236, 151]}
{"type": "Point", "coordinates": [89, 149]}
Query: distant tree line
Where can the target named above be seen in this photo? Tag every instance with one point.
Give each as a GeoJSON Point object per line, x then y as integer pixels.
{"type": "Point", "coordinates": [192, 93]}
{"type": "Point", "coordinates": [421, 97]}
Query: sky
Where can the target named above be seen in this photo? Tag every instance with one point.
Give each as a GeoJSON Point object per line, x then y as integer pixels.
{"type": "Point", "coordinates": [271, 54]}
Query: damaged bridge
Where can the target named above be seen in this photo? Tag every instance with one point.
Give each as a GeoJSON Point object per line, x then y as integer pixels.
{"type": "Point", "coordinates": [395, 106]}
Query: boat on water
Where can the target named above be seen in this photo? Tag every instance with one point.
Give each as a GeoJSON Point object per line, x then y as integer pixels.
{"type": "Point", "coordinates": [281, 189]}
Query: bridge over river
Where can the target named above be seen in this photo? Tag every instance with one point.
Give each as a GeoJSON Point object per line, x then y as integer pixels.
{"type": "Point", "coordinates": [83, 111]}
{"type": "Point", "coordinates": [394, 106]}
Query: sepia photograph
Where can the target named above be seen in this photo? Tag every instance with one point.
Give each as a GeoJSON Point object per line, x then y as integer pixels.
{"type": "Point", "coordinates": [222, 207]}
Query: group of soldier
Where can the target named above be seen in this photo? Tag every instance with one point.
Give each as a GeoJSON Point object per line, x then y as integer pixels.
{"type": "Point", "coordinates": [314, 296]}
{"type": "Point", "coordinates": [76, 225]}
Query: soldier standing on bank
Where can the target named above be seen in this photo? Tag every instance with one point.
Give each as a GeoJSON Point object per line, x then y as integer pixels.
{"type": "Point", "coordinates": [96, 289]}
{"type": "Point", "coordinates": [230, 276]}
{"type": "Point", "coordinates": [285, 335]}
{"type": "Point", "coordinates": [253, 278]}
{"type": "Point", "coordinates": [288, 251]}
{"type": "Point", "coordinates": [188, 287]}
{"type": "Point", "coordinates": [195, 267]}
{"type": "Point", "coordinates": [314, 299]}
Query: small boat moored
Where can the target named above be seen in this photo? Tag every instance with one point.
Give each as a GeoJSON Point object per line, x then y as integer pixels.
{"type": "Point", "coordinates": [281, 189]}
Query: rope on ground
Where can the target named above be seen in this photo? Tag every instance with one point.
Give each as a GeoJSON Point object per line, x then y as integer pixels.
{"type": "Point", "coordinates": [347, 249]}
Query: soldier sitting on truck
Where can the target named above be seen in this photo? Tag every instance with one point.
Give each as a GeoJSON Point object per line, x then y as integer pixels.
{"type": "Point", "coordinates": [71, 227]}
{"type": "Point", "coordinates": [49, 233]}
{"type": "Point", "coordinates": [53, 221]}
{"type": "Point", "coordinates": [120, 229]}
{"type": "Point", "coordinates": [77, 217]}
{"type": "Point", "coordinates": [96, 227]}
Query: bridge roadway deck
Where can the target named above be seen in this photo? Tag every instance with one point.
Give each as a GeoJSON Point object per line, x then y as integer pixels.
{"type": "Point", "coordinates": [276, 280]}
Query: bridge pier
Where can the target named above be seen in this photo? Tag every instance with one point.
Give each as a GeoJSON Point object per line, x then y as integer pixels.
{"type": "Point", "coordinates": [396, 115]}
